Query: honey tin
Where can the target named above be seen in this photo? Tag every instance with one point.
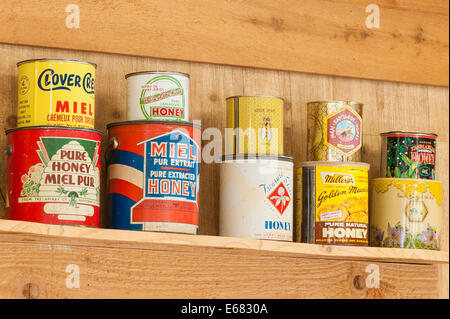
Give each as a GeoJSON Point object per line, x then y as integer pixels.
{"type": "Point", "coordinates": [334, 131]}
{"type": "Point", "coordinates": [332, 203]}
{"type": "Point", "coordinates": [153, 176]}
{"type": "Point", "coordinates": [405, 213]}
{"type": "Point", "coordinates": [408, 155]}
{"type": "Point", "coordinates": [256, 197]}
{"type": "Point", "coordinates": [158, 95]}
{"type": "Point", "coordinates": [56, 92]}
{"type": "Point", "coordinates": [54, 175]}
{"type": "Point", "coordinates": [254, 125]}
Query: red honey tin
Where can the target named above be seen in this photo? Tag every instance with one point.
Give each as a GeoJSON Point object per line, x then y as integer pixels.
{"type": "Point", "coordinates": [53, 175]}
{"type": "Point", "coordinates": [153, 176]}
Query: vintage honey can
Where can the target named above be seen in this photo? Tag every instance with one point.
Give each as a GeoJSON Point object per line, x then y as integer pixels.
{"type": "Point", "coordinates": [408, 155]}
{"type": "Point", "coordinates": [53, 175]}
{"type": "Point", "coordinates": [332, 203]}
{"type": "Point", "coordinates": [256, 197]}
{"type": "Point", "coordinates": [405, 213]}
{"type": "Point", "coordinates": [153, 176]}
{"type": "Point", "coordinates": [56, 92]}
{"type": "Point", "coordinates": [334, 131]}
{"type": "Point", "coordinates": [158, 95]}
{"type": "Point", "coordinates": [254, 125]}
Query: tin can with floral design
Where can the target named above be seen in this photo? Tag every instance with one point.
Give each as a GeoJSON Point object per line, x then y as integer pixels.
{"type": "Point", "coordinates": [405, 213]}
{"type": "Point", "coordinates": [408, 155]}
{"type": "Point", "coordinates": [334, 131]}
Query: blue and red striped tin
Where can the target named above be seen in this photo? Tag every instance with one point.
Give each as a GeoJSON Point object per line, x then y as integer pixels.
{"type": "Point", "coordinates": [153, 176]}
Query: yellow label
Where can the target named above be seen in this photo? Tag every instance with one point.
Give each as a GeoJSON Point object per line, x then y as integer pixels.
{"type": "Point", "coordinates": [299, 205]}
{"type": "Point", "coordinates": [341, 205]}
{"type": "Point", "coordinates": [56, 93]}
{"type": "Point", "coordinates": [259, 124]}
{"type": "Point", "coordinates": [405, 213]}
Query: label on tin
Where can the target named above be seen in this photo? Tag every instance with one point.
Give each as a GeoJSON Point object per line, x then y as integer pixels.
{"type": "Point", "coordinates": [405, 213]}
{"type": "Point", "coordinates": [410, 156]}
{"type": "Point", "coordinates": [57, 93]}
{"type": "Point", "coordinates": [341, 200]}
{"type": "Point", "coordinates": [158, 97]}
{"type": "Point", "coordinates": [171, 172]}
{"type": "Point", "coordinates": [67, 178]}
{"type": "Point", "coordinates": [343, 131]}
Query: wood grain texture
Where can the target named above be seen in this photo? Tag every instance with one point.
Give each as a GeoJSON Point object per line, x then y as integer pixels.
{"type": "Point", "coordinates": [315, 36]}
{"type": "Point", "coordinates": [387, 106]}
{"type": "Point", "coordinates": [29, 270]}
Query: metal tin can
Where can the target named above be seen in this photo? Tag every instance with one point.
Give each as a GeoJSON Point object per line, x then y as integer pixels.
{"type": "Point", "coordinates": [256, 197]}
{"type": "Point", "coordinates": [56, 92]}
{"type": "Point", "coordinates": [332, 203]}
{"type": "Point", "coordinates": [254, 125]}
{"type": "Point", "coordinates": [405, 213]}
{"type": "Point", "coordinates": [158, 95]}
{"type": "Point", "coordinates": [408, 155]}
{"type": "Point", "coordinates": [334, 131]}
{"type": "Point", "coordinates": [153, 176]}
{"type": "Point", "coordinates": [54, 175]}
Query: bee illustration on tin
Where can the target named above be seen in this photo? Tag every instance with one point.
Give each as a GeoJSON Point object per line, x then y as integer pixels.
{"type": "Point", "coordinates": [266, 128]}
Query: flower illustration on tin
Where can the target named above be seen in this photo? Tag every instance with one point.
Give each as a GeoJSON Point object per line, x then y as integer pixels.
{"type": "Point", "coordinates": [377, 236]}
{"type": "Point", "coordinates": [280, 198]}
{"type": "Point", "coordinates": [395, 236]}
{"type": "Point", "coordinates": [429, 237]}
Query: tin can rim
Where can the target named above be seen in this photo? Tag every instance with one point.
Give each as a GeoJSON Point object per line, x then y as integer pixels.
{"type": "Point", "coordinates": [408, 133]}
{"type": "Point", "coordinates": [257, 157]}
{"type": "Point", "coordinates": [53, 127]}
{"type": "Point", "coordinates": [156, 72]}
{"type": "Point", "coordinates": [56, 60]}
{"type": "Point", "coordinates": [255, 95]}
{"type": "Point", "coordinates": [143, 122]}
{"type": "Point", "coordinates": [336, 101]}
{"type": "Point", "coordinates": [416, 180]}
{"type": "Point", "coordinates": [328, 163]}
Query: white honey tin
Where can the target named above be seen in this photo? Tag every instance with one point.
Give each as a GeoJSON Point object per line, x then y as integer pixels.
{"type": "Point", "coordinates": [256, 197]}
{"type": "Point", "coordinates": [158, 95]}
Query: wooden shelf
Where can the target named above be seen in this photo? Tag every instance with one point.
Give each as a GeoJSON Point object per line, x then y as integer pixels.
{"type": "Point", "coordinates": [133, 264]}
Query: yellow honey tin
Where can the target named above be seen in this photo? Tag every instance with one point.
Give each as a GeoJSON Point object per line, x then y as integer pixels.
{"type": "Point", "coordinates": [56, 92]}
{"type": "Point", "coordinates": [405, 213]}
{"type": "Point", "coordinates": [254, 125]}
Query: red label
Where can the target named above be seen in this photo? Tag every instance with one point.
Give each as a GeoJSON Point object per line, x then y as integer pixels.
{"type": "Point", "coordinates": [344, 131]}
{"type": "Point", "coordinates": [280, 198]}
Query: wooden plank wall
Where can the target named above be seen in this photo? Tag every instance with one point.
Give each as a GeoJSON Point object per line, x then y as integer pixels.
{"type": "Point", "coordinates": [388, 106]}
{"type": "Point", "coordinates": [316, 36]}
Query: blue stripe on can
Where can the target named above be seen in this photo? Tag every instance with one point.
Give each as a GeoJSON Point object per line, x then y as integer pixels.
{"type": "Point", "coordinates": [127, 158]}
{"type": "Point", "coordinates": [119, 210]}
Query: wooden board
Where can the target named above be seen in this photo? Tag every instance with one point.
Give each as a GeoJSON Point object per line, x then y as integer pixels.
{"type": "Point", "coordinates": [103, 263]}
{"type": "Point", "coordinates": [316, 36]}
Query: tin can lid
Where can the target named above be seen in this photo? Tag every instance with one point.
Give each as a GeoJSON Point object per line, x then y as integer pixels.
{"type": "Point", "coordinates": [337, 164]}
{"type": "Point", "coordinates": [56, 60]}
{"type": "Point", "coordinates": [406, 180]}
{"type": "Point", "coordinates": [257, 157]}
{"type": "Point", "coordinates": [48, 127]}
{"type": "Point", "coordinates": [409, 133]}
{"type": "Point", "coordinates": [157, 72]}
{"type": "Point", "coordinates": [336, 102]}
{"type": "Point", "coordinates": [256, 95]}
{"type": "Point", "coordinates": [149, 122]}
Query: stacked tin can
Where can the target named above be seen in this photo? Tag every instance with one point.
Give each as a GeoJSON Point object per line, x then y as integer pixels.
{"type": "Point", "coordinates": [332, 186]}
{"type": "Point", "coordinates": [53, 157]}
{"type": "Point", "coordinates": [256, 179]}
{"type": "Point", "coordinates": [406, 201]}
{"type": "Point", "coordinates": [153, 158]}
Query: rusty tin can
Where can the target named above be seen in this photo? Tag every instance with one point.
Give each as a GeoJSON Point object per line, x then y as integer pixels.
{"type": "Point", "coordinates": [254, 125]}
{"type": "Point", "coordinates": [332, 203]}
{"type": "Point", "coordinates": [158, 95]}
{"type": "Point", "coordinates": [153, 176]}
{"type": "Point", "coordinates": [334, 131]}
{"type": "Point", "coordinates": [408, 155]}
{"type": "Point", "coordinates": [54, 175]}
{"type": "Point", "coordinates": [256, 197]}
{"type": "Point", "coordinates": [405, 213]}
{"type": "Point", "coordinates": [56, 92]}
